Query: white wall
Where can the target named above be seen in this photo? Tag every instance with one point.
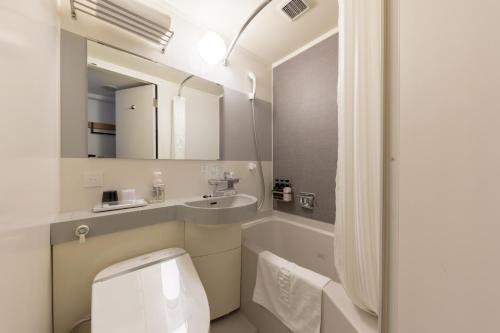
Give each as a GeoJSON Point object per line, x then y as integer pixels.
{"type": "Point", "coordinates": [447, 201]}
{"type": "Point", "coordinates": [182, 178]}
{"type": "Point", "coordinates": [181, 53]}
{"type": "Point", "coordinates": [101, 109]}
{"type": "Point", "coordinates": [29, 67]}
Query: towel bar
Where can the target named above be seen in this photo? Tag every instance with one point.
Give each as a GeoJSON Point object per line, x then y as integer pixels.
{"type": "Point", "coordinates": [114, 14]}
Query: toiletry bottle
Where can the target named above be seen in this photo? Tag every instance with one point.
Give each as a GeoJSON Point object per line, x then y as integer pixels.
{"type": "Point", "coordinates": [158, 191]}
{"type": "Point", "coordinates": [275, 190]}
{"type": "Point", "coordinates": [287, 191]}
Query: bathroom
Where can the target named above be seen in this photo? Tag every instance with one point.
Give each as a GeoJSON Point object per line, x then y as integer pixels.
{"type": "Point", "coordinates": [250, 166]}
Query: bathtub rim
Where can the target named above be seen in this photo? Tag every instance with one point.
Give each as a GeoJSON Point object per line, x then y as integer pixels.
{"type": "Point", "coordinates": [251, 232]}
{"type": "Point", "coordinates": [358, 319]}
{"type": "Point", "coordinates": [298, 221]}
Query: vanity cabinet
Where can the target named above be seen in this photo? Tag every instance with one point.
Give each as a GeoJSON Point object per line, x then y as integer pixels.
{"type": "Point", "coordinates": [216, 254]}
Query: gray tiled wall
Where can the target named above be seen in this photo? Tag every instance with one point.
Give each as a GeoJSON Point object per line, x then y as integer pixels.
{"type": "Point", "coordinates": [305, 127]}
{"type": "Point", "coordinates": [236, 127]}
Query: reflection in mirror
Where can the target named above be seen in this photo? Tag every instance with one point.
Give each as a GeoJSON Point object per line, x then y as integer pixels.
{"type": "Point", "coordinates": [136, 108]}
{"type": "Point", "coordinates": [195, 120]}
{"type": "Point", "coordinates": [116, 105]}
{"type": "Point", "coordinates": [158, 113]}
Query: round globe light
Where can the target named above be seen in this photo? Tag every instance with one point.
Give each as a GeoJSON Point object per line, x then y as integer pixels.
{"type": "Point", "coordinates": [212, 48]}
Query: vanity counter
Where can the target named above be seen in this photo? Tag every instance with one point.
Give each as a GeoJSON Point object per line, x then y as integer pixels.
{"type": "Point", "coordinates": [63, 228]}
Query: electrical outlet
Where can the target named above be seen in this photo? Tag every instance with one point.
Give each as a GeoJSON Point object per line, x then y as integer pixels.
{"type": "Point", "coordinates": [92, 179]}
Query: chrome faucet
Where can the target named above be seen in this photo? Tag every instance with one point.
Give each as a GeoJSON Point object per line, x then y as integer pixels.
{"type": "Point", "coordinates": [224, 186]}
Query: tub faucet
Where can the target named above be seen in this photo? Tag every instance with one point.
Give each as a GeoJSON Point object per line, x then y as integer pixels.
{"type": "Point", "coordinates": [224, 186]}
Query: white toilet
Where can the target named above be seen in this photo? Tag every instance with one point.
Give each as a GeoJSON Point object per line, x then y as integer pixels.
{"type": "Point", "coordinates": [159, 292]}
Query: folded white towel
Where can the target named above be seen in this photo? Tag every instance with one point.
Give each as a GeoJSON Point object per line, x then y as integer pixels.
{"type": "Point", "coordinates": [292, 293]}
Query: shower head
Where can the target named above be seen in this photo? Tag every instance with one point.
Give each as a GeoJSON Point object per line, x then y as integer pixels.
{"type": "Point", "coordinates": [251, 76]}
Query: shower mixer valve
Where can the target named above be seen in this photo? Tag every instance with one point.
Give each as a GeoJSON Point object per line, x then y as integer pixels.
{"type": "Point", "coordinates": [224, 186]}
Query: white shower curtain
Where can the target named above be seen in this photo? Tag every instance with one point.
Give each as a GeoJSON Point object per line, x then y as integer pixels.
{"type": "Point", "coordinates": [359, 169]}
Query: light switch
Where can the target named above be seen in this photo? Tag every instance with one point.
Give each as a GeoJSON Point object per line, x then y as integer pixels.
{"type": "Point", "coordinates": [92, 179]}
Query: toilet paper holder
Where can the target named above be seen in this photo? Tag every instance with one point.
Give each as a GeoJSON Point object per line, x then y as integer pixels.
{"type": "Point", "coordinates": [81, 232]}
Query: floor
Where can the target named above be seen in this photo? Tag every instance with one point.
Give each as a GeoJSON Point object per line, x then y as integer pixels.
{"type": "Point", "coordinates": [234, 322]}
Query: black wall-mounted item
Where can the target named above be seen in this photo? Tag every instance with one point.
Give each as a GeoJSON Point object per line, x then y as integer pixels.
{"type": "Point", "coordinates": [109, 196]}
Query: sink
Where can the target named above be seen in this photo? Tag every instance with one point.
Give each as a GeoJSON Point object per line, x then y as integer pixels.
{"type": "Point", "coordinates": [220, 210]}
{"type": "Point", "coordinates": [234, 201]}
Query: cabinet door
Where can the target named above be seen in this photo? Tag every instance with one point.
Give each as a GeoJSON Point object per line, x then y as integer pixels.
{"type": "Point", "coordinates": [136, 122]}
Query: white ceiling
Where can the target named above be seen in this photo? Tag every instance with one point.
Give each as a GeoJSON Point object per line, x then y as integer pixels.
{"type": "Point", "coordinates": [271, 36]}
{"type": "Point", "coordinates": [103, 82]}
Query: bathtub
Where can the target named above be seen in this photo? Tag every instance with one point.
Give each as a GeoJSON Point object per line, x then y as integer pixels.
{"type": "Point", "coordinates": [309, 244]}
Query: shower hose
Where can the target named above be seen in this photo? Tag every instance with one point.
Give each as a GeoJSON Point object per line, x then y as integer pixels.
{"type": "Point", "coordinates": [257, 156]}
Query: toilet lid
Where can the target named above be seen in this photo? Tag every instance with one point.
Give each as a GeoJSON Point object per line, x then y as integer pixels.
{"type": "Point", "coordinates": [156, 293]}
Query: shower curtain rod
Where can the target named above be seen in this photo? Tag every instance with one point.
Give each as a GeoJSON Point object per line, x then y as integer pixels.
{"type": "Point", "coordinates": [183, 83]}
{"type": "Point", "coordinates": [238, 34]}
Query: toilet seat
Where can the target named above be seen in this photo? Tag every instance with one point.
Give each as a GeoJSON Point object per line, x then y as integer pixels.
{"type": "Point", "coordinates": [159, 292]}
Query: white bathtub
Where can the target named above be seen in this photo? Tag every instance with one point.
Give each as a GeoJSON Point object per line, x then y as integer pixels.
{"type": "Point", "coordinates": [309, 244]}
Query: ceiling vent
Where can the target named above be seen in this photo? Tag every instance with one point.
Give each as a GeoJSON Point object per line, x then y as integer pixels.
{"type": "Point", "coordinates": [293, 9]}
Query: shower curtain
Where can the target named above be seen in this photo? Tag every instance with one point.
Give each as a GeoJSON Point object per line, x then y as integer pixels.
{"type": "Point", "coordinates": [359, 168]}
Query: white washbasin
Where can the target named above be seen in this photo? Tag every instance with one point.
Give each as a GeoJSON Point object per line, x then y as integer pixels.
{"type": "Point", "coordinates": [234, 201]}
{"type": "Point", "coordinates": [220, 210]}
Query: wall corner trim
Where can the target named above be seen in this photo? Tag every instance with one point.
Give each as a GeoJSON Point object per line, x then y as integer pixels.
{"type": "Point", "coordinates": [306, 46]}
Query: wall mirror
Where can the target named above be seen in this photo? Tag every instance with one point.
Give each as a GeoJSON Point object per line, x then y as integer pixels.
{"type": "Point", "coordinates": [118, 105]}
